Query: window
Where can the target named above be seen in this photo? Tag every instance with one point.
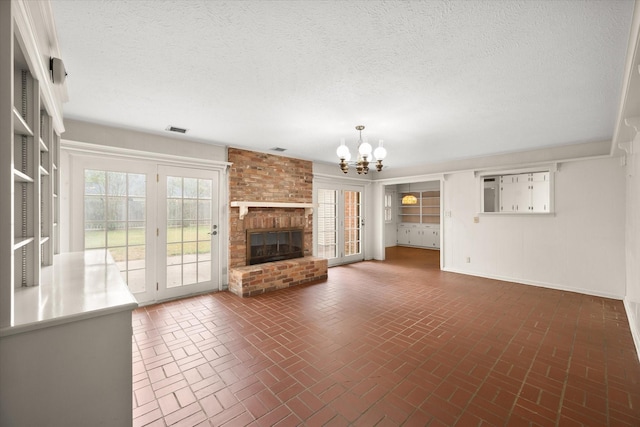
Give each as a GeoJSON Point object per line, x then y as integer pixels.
{"type": "Point", "coordinates": [188, 230]}
{"type": "Point", "coordinates": [388, 207]}
{"type": "Point", "coordinates": [352, 222]}
{"type": "Point", "coordinates": [115, 219]}
{"type": "Point", "coordinates": [327, 224]}
{"type": "Point", "coordinates": [517, 193]}
{"type": "Point", "coordinates": [339, 232]}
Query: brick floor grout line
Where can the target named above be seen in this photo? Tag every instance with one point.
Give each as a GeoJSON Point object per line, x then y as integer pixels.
{"type": "Point", "coordinates": [188, 385]}
{"type": "Point", "coordinates": [564, 385]}
{"type": "Point", "coordinates": [426, 360]}
{"type": "Point", "coordinates": [555, 311]}
{"type": "Point", "coordinates": [606, 367]}
{"type": "Point", "coordinates": [493, 367]}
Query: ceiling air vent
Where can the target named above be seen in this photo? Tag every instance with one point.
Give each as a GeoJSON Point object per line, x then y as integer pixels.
{"type": "Point", "coordinates": [279, 149]}
{"type": "Point", "coordinates": [176, 129]}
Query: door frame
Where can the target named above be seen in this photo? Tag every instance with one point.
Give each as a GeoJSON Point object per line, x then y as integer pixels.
{"type": "Point", "coordinates": [383, 185]}
{"type": "Point", "coordinates": [79, 153]}
{"type": "Point", "coordinates": [163, 292]}
{"type": "Point", "coordinates": [340, 187]}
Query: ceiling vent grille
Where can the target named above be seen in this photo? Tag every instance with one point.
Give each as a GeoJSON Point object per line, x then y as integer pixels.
{"type": "Point", "coordinates": [176, 129]}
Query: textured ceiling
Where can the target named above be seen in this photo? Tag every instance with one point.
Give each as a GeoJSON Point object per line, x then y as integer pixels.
{"type": "Point", "coordinates": [437, 80]}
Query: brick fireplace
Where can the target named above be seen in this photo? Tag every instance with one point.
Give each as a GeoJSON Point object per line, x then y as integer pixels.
{"type": "Point", "coordinates": [266, 178]}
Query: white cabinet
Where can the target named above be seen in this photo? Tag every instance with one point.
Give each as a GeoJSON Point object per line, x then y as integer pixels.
{"type": "Point", "coordinates": [404, 235]}
{"type": "Point", "coordinates": [67, 359]}
{"type": "Point", "coordinates": [525, 193]}
{"type": "Point", "coordinates": [540, 192]}
{"type": "Point", "coordinates": [425, 236]}
{"type": "Point", "coordinates": [431, 237]}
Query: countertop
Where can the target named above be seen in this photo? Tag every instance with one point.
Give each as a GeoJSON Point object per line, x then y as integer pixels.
{"type": "Point", "coordinates": [80, 285]}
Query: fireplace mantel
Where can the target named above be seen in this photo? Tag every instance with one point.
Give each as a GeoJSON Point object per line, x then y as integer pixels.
{"type": "Point", "coordinates": [244, 206]}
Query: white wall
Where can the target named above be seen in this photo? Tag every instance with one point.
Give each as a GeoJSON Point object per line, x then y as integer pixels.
{"type": "Point", "coordinates": [134, 140]}
{"type": "Point", "coordinates": [580, 248]}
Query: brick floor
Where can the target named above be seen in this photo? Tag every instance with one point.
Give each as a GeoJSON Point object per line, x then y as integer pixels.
{"type": "Point", "coordinates": [387, 344]}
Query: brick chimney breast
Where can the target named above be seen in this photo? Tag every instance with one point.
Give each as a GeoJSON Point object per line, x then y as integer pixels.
{"type": "Point", "coordinates": [262, 177]}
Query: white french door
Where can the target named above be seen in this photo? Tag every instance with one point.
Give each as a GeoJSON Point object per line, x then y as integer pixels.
{"type": "Point", "coordinates": [340, 225]}
{"type": "Point", "coordinates": [160, 224]}
{"type": "Point", "coordinates": [188, 232]}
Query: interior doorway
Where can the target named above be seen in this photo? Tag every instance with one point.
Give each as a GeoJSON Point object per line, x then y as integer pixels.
{"type": "Point", "coordinates": [416, 219]}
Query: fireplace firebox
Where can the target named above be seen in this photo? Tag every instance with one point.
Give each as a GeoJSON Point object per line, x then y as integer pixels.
{"type": "Point", "coordinates": [267, 245]}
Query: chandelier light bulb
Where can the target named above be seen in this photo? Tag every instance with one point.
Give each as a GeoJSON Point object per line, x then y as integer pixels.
{"type": "Point", "coordinates": [365, 149]}
{"type": "Point", "coordinates": [343, 151]}
{"type": "Point", "coordinates": [380, 152]}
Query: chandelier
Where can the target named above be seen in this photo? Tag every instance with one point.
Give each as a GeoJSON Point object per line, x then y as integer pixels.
{"type": "Point", "coordinates": [364, 155]}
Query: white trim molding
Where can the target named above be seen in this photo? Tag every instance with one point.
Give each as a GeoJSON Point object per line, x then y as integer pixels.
{"type": "Point", "coordinates": [539, 167]}
{"type": "Point", "coordinates": [84, 148]}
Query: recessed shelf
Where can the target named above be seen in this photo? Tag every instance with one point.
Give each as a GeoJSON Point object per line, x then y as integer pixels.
{"type": "Point", "coordinates": [44, 239]}
{"type": "Point", "coordinates": [43, 146]}
{"type": "Point", "coordinates": [19, 242]}
{"type": "Point", "coordinates": [43, 171]}
{"type": "Point", "coordinates": [21, 177]}
{"type": "Point", "coordinates": [19, 125]}
{"type": "Point", "coordinates": [424, 211]}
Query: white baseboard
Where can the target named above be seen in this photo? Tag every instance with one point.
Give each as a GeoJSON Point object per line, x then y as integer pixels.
{"type": "Point", "coordinates": [634, 326]}
{"type": "Point", "coordinates": [556, 286]}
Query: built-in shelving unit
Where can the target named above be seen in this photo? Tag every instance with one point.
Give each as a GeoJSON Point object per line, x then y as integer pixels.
{"type": "Point", "coordinates": [30, 112]}
{"type": "Point", "coordinates": [425, 210]}
{"type": "Point", "coordinates": [419, 215]}
{"type": "Point", "coordinates": [47, 314]}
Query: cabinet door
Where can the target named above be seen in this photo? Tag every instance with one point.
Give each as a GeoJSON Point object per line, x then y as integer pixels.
{"type": "Point", "coordinates": [431, 238]}
{"type": "Point", "coordinates": [508, 193]}
{"type": "Point", "coordinates": [417, 237]}
{"type": "Point", "coordinates": [514, 193]}
{"type": "Point", "coordinates": [403, 235]}
{"type": "Point", "coordinates": [414, 236]}
{"type": "Point", "coordinates": [436, 238]}
{"type": "Point", "coordinates": [540, 192]}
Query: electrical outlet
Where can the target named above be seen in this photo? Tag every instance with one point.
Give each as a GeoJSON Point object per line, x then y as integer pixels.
{"type": "Point", "coordinates": [447, 214]}
{"type": "Point", "coordinates": [468, 260]}
{"type": "Point", "coordinates": [476, 219]}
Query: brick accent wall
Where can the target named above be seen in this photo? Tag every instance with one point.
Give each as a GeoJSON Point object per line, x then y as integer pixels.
{"type": "Point", "coordinates": [266, 177]}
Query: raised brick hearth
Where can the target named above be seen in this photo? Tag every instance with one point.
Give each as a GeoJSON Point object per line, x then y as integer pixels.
{"type": "Point", "coordinates": [260, 177]}
{"type": "Point", "coordinates": [271, 276]}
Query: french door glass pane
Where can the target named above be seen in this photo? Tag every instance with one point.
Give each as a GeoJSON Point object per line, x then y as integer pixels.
{"type": "Point", "coordinates": [188, 227]}
{"type": "Point", "coordinates": [327, 221]}
{"type": "Point", "coordinates": [351, 222]}
{"type": "Point", "coordinates": [115, 219]}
